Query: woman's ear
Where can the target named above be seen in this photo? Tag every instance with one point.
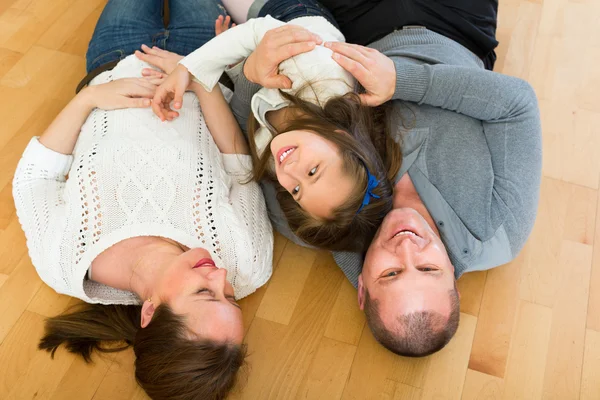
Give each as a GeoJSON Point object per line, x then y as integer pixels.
{"type": "Point", "coordinates": [147, 313]}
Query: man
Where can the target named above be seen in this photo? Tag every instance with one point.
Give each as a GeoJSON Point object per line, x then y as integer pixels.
{"type": "Point", "coordinates": [466, 196]}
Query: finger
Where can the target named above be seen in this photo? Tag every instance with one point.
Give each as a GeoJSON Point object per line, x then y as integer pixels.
{"type": "Point", "coordinates": [227, 22]}
{"type": "Point", "coordinates": [149, 58]}
{"type": "Point", "coordinates": [233, 25]}
{"type": "Point", "coordinates": [292, 34]}
{"type": "Point", "coordinates": [148, 49]}
{"type": "Point", "coordinates": [355, 68]}
{"type": "Point", "coordinates": [136, 102]}
{"type": "Point", "coordinates": [278, 82]}
{"type": "Point", "coordinates": [157, 102]}
{"type": "Point", "coordinates": [154, 80]}
{"type": "Point", "coordinates": [218, 26]}
{"type": "Point", "coordinates": [291, 50]}
{"type": "Point", "coordinates": [369, 99]}
{"type": "Point", "coordinates": [178, 99]}
{"type": "Point", "coordinates": [149, 72]}
{"type": "Point", "coordinates": [351, 51]}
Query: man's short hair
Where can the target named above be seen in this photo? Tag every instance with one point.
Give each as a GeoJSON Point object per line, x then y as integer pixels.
{"type": "Point", "coordinates": [416, 334]}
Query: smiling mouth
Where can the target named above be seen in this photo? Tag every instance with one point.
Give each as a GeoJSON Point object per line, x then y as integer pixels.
{"type": "Point", "coordinates": [405, 232]}
{"type": "Point", "coordinates": [205, 262]}
{"type": "Point", "coordinates": [283, 153]}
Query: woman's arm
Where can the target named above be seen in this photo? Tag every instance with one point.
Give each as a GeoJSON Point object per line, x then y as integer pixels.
{"type": "Point", "coordinates": [220, 121]}
{"type": "Point", "coordinates": [63, 132]}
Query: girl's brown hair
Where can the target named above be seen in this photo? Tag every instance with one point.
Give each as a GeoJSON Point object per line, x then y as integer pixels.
{"type": "Point", "coordinates": [168, 365]}
{"type": "Point", "coordinates": [366, 144]}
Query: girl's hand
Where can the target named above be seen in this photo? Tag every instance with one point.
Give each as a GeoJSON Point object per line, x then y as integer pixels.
{"type": "Point", "coordinates": [172, 89]}
{"type": "Point", "coordinates": [163, 59]}
{"type": "Point", "coordinates": [122, 93]}
{"type": "Point", "coordinates": [222, 24]}
{"type": "Point", "coordinates": [279, 44]}
{"type": "Point", "coordinates": [375, 71]}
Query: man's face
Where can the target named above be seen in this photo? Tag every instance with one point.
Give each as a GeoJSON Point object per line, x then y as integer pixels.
{"type": "Point", "coordinates": [406, 268]}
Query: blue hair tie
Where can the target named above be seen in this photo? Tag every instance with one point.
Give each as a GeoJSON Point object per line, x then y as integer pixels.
{"type": "Point", "coordinates": [371, 184]}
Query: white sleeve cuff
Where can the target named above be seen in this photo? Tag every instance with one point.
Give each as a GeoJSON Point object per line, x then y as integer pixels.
{"type": "Point", "coordinates": [52, 161]}
{"type": "Point", "coordinates": [237, 164]}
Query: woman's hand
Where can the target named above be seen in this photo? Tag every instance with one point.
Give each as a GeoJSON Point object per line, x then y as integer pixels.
{"type": "Point", "coordinates": [375, 71]}
{"type": "Point", "coordinates": [163, 59]}
{"type": "Point", "coordinates": [122, 93]}
{"type": "Point", "coordinates": [262, 66]}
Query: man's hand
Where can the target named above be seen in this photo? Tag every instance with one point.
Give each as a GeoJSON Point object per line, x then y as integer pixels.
{"type": "Point", "coordinates": [279, 44]}
{"type": "Point", "coordinates": [375, 71]}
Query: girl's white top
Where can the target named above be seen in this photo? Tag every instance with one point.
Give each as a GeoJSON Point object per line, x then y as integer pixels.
{"type": "Point", "coordinates": [327, 79]}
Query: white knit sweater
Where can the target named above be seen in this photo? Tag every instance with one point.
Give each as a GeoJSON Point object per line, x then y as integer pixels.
{"type": "Point", "coordinates": [327, 78]}
{"type": "Point", "coordinates": [132, 175]}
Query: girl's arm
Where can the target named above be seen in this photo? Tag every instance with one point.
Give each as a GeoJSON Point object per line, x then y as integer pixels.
{"type": "Point", "coordinates": [220, 121]}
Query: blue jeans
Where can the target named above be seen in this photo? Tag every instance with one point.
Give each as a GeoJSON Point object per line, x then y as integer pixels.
{"type": "Point", "coordinates": [127, 24]}
{"type": "Point", "coordinates": [287, 10]}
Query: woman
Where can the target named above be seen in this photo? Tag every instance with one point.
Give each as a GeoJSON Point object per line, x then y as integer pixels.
{"type": "Point", "coordinates": [316, 143]}
{"type": "Point", "coordinates": [153, 228]}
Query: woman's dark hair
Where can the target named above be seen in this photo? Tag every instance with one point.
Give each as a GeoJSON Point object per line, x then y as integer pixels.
{"type": "Point", "coordinates": [363, 136]}
{"type": "Point", "coordinates": [168, 364]}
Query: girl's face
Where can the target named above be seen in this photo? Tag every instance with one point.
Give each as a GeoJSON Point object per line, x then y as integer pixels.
{"type": "Point", "coordinates": [311, 169]}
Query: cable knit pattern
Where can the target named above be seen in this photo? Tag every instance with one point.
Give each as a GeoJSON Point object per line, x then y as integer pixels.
{"type": "Point", "coordinates": [132, 175]}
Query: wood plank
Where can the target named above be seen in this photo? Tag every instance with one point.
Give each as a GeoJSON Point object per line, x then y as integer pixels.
{"type": "Point", "coordinates": [7, 206]}
{"type": "Point", "coordinates": [328, 372]}
{"type": "Point", "coordinates": [8, 59]}
{"type": "Point", "coordinates": [18, 350]}
{"type": "Point", "coordinates": [562, 378]}
{"type": "Point", "coordinates": [568, 211]}
{"type": "Point", "coordinates": [285, 368]}
{"type": "Point", "coordinates": [496, 318]}
{"type": "Point", "coordinates": [448, 367]}
{"type": "Point", "coordinates": [82, 379]}
{"type": "Point", "coordinates": [471, 286]}
{"type": "Point", "coordinates": [48, 303]}
{"type": "Point", "coordinates": [286, 284]}
{"type": "Point", "coordinates": [593, 312]}
{"type": "Point", "coordinates": [15, 294]}
{"type": "Point", "coordinates": [13, 247]}
{"type": "Point", "coordinates": [590, 379]}
{"type": "Point", "coordinates": [65, 26]}
{"type": "Point", "coordinates": [480, 386]}
{"type": "Point", "coordinates": [370, 368]}
{"type": "Point", "coordinates": [525, 370]}
{"type": "Point", "coordinates": [347, 320]}
{"type": "Point", "coordinates": [119, 382]}
{"type": "Point", "coordinates": [20, 27]}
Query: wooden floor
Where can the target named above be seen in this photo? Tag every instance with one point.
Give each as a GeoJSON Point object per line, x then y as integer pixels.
{"type": "Point", "coordinates": [529, 329]}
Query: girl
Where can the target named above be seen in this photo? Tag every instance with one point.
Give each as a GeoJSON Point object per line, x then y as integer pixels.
{"type": "Point", "coordinates": [315, 142]}
{"type": "Point", "coordinates": [152, 228]}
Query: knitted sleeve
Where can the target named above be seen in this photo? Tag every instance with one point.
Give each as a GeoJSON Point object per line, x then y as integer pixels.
{"type": "Point", "coordinates": [255, 230]}
{"type": "Point", "coordinates": [38, 188]}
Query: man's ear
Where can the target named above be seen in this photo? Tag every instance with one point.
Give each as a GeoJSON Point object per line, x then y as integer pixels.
{"type": "Point", "coordinates": [361, 293]}
{"type": "Point", "coordinates": [147, 313]}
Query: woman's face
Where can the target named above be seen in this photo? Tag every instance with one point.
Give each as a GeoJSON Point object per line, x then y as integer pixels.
{"type": "Point", "coordinates": [195, 287]}
{"type": "Point", "coordinates": [311, 169]}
